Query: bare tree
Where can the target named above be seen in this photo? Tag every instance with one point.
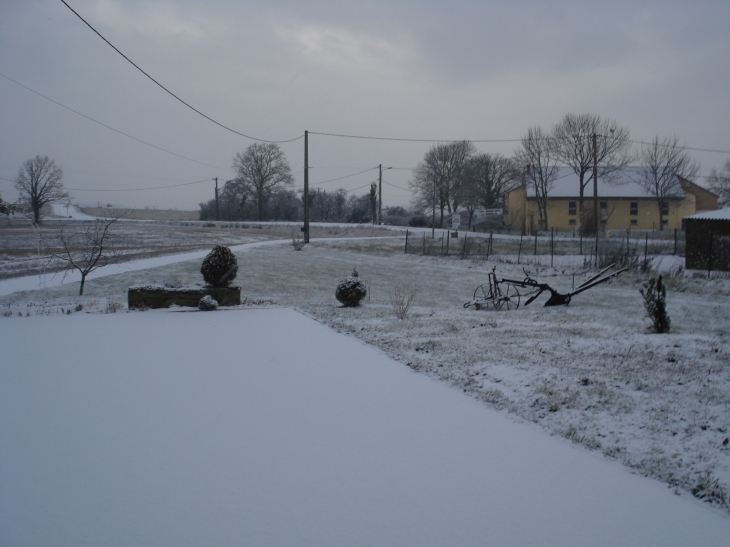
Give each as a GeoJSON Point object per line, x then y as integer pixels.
{"type": "Point", "coordinates": [488, 178]}
{"type": "Point", "coordinates": [89, 249]}
{"type": "Point", "coordinates": [39, 183]}
{"type": "Point", "coordinates": [437, 179]}
{"type": "Point", "coordinates": [662, 162]}
{"type": "Point", "coordinates": [720, 184]}
{"type": "Point", "coordinates": [573, 145]}
{"type": "Point", "coordinates": [261, 168]}
{"type": "Point", "coordinates": [536, 155]}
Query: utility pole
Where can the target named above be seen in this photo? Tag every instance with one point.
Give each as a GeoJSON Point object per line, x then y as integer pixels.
{"type": "Point", "coordinates": [380, 194]}
{"type": "Point", "coordinates": [217, 211]}
{"type": "Point", "coordinates": [306, 187]}
{"type": "Point", "coordinates": [433, 215]}
{"type": "Point", "coordinates": [595, 183]}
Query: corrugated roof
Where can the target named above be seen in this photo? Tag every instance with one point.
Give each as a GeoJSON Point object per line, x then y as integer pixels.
{"type": "Point", "coordinates": [720, 214]}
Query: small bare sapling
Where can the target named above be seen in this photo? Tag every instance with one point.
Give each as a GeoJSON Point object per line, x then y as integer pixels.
{"type": "Point", "coordinates": [402, 300]}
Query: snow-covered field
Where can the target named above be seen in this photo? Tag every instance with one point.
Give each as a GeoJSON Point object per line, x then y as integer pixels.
{"type": "Point", "coordinates": [590, 372]}
{"type": "Point", "coordinates": [263, 427]}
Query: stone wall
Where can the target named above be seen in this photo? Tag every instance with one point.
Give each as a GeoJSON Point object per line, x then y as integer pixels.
{"type": "Point", "coordinates": [160, 296]}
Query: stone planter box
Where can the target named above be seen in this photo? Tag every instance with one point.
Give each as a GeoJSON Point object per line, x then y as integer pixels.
{"type": "Point", "coordinates": [160, 296]}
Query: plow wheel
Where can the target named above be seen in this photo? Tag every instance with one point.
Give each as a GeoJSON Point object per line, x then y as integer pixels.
{"type": "Point", "coordinates": [484, 297]}
{"type": "Point", "coordinates": [509, 299]}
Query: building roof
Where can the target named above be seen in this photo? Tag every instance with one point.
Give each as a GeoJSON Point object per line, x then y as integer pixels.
{"type": "Point", "coordinates": [720, 214]}
{"type": "Point", "coordinates": [622, 184]}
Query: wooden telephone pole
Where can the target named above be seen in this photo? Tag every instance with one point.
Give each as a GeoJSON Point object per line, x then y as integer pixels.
{"type": "Point", "coordinates": [380, 194]}
{"type": "Point", "coordinates": [306, 187]}
{"type": "Point", "coordinates": [217, 211]}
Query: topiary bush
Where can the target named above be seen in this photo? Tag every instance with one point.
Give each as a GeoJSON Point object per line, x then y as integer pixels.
{"type": "Point", "coordinates": [208, 303]}
{"type": "Point", "coordinates": [219, 267]}
{"type": "Point", "coordinates": [350, 291]}
{"type": "Point", "coordinates": [655, 302]}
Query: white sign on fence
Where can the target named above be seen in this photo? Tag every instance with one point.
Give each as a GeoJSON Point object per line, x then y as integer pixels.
{"type": "Point", "coordinates": [455, 221]}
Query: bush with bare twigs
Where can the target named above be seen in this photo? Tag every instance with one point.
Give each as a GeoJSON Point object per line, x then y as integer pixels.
{"type": "Point", "coordinates": [402, 300]}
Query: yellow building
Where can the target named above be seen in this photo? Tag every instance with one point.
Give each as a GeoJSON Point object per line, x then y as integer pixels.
{"type": "Point", "coordinates": [622, 205]}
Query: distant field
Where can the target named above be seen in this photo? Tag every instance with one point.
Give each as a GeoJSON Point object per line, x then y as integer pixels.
{"type": "Point", "coordinates": [144, 214]}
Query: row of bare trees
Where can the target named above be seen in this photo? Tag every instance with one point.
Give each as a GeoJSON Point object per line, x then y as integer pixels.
{"type": "Point", "coordinates": [454, 175]}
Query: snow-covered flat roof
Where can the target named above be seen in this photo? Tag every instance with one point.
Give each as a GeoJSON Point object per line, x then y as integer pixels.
{"type": "Point", "coordinates": [720, 214]}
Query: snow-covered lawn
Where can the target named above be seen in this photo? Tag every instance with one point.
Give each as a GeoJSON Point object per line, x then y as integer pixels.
{"type": "Point", "coordinates": [590, 373]}
{"type": "Point", "coordinates": [264, 427]}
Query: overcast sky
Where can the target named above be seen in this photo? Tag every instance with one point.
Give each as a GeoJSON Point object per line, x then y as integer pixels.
{"type": "Point", "coordinates": [424, 70]}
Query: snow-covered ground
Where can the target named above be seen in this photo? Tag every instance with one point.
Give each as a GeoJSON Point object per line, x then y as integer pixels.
{"type": "Point", "coordinates": [72, 212]}
{"type": "Point", "coordinates": [264, 427]}
{"type": "Point", "coordinates": [590, 373]}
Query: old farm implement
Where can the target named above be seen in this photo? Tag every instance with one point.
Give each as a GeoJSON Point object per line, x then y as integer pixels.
{"type": "Point", "coordinates": [505, 293]}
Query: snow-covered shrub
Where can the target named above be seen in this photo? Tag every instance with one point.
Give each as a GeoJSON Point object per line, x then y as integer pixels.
{"type": "Point", "coordinates": [208, 303]}
{"type": "Point", "coordinates": [655, 295]}
{"type": "Point", "coordinates": [219, 267]}
{"type": "Point", "coordinates": [350, 291]}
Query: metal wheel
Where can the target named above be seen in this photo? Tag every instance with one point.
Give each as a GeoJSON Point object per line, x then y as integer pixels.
{"type": "Point", "coordinates": [484, 296]}
{"type": "Point", "coordinates": [510, 299]}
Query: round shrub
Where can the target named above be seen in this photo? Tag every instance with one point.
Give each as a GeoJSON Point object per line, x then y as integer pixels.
{"type": "Point", "coordinates": [219, 267]}
{"type": "Point", "coordinates": [351, 290]}
{"type": "Point", "coordinates": [208, 303]}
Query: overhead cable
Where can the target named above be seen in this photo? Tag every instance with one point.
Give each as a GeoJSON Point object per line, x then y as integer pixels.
{"type": "Point", "coordinates": [108, 126]}
{"type": "Point", "coordinates": [345, 177]}
{"type": "Point", "coordinates": [138, 189]}
{"type": "Point", "coordinates": [170, 92]}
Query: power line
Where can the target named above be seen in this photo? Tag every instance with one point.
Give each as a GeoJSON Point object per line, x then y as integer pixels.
{"type": "Point", "coordinates": [406, 139]}
{"type": "Point", "coordinates": [396, 186]}
{"type": "Point", "coordinates": [345, 177]}
{"type": "Point", "coordinates": [138, 189]}
{"type": "Point", "coordinates": [107, 126]}
{"type": "Point", "coordinates": [167, 90]}
{"type": "Point", "coordinates": [367, 137]}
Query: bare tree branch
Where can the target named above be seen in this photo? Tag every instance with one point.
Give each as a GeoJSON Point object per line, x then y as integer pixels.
{"type": "Point", "coordinates": [536, 155]}
{"type": "Point", "coordinates": [39, 183]}
{"type": "Point", "coordinates": [261, 168]}
{"type": "Point", "coordinates": [662, 162]}
{"type": "Point", "coordinates": [572, 140]}
{"type": "Point", "coordinates": [90, 249]}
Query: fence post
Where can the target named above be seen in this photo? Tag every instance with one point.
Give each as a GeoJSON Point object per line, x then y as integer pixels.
{"type": "Point", "coordinates": [448, 236]}
{"type": "Point", "coordinates": [675, 241]}
{"type": "Point", "coordinates": [646, 249]}
{"type": "Point", "coordinates": [709, 258]}
{"type": "Point", "coordinates": [406, 251]}
{"type": "Point", "coordinates": [552, 246]}
{"type": "Point", "coordinates": [535, 242]}
{"type": "Point", "coordinates": [424, 244]}
{"type": "Point", "coordinates": [463, 254]}
{"type": "Point", "coordinates": [519, 252]}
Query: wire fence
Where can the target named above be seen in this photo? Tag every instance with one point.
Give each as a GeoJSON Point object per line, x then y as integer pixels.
{"type": "Point", "coordinates": [552, 248]}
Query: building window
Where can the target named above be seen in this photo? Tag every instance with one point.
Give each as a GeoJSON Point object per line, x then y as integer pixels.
{"type": "Point", "coordinates": [634, 209]}
{"type": "Point", "coordinates": [665, 207]}
{"type": "Point", "coordinates": [634, 222]}
{"type": "Point", "coordinates": [572, 209]}
{"type": "Point", "coordinates": [665, 221]}
{"type": "Point", "coordinates": [571, 221]}
{"type": "Point", "coordinates": [604, 206]}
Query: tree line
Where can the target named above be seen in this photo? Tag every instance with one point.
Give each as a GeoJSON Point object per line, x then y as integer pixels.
{"type": "Point", "coordinates": [456, 177]}
{"type": "Point", "coordinates": [452, 177]}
